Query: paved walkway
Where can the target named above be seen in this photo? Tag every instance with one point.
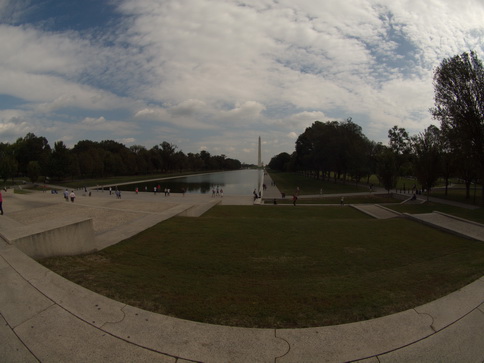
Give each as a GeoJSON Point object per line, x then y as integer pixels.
{"type": "Point", "coordinates": [452, 224]}
{"type": "Point", "coordinates": [45, 318]}
{"type": "Point", "coordinates": [377, 211]}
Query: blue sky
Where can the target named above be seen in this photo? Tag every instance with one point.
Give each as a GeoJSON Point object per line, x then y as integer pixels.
{"type": "Point", "coordinates": [216, 74]}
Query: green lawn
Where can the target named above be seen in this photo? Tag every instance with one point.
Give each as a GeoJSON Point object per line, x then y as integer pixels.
{"type": "Point", "coordinates": [279, 267]}
{"type": "Point", "coordinates": [459, 195]}
{"type": "Point", "coordinates": [288, 182]}
{"type": "Point", "coordinates": [349, 199]}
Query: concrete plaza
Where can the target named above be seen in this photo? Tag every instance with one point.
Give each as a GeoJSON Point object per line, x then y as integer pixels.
{"type": "Point", "coordinates": [46, 318]}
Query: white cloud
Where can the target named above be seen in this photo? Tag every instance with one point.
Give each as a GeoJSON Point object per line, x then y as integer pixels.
{"type": "Point", "coordinates": [114, 128]}
{"type": "Point", "coordinates": [94, 122]}
{"type": "Point", "coordinates": [249, 111]}
{"type": "Point", "coordinates": [32, 51]}
{"type": "Point", "coordinates": [127, 140]}
{"type": "Point", "coordinates": [218, 73]}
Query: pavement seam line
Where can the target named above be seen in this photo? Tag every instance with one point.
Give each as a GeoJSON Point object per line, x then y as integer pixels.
{"type": "Point", "coordinates": [102, 328]}
{"type": "Point", "coordinates": [423, 338]}
{"type": "Point", "coordinates": [481, 308]}
{"type": "Point", "coordinates": [288, 346]}
{"type": "Point", "coordinates": [114, 335]}
{"type": "Point", "coordinates": [431, 318]}
{"type": "Point", "coordinates": [54, 303]}
{"type": "Point", "coordinates": [24, 322]}
{"type": "Point", "coordinates": [20, 339]}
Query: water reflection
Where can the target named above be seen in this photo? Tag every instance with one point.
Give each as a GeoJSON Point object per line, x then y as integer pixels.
{"type": "Point", "coordinates": [238, 182]}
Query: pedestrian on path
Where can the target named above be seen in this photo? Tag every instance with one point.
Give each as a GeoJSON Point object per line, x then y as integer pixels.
{"type": "Point", "coordinates": [294, 199]}
{"type": "Point", "coordinates": [342, 202]}
{"type": "Point", "coordinates": [72, 196]}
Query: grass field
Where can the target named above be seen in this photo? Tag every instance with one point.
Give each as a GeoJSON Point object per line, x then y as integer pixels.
{"type": "Point", "coordinates": [349, 199]}
{"type": "Point", "coordinates": [288, 182]}
{"type": "Point", "coordinates": [279, 267]}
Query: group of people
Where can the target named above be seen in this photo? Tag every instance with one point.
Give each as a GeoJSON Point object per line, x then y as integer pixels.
{"type": "Point", "coordinates": [157, 189]}
{"type": "Point", "coordinates": [71, 195]}
{"type": "Point", "coordinates": [216, 192]}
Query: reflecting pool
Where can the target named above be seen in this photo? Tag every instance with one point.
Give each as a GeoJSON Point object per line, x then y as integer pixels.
{"type": "Point", "coordinates": [237, 182]}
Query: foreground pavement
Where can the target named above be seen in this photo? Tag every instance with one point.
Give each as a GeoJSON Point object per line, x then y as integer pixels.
{"type": "Point", "coordinates": [45, 318]}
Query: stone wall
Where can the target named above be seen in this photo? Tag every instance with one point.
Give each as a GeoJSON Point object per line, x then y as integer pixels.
{"type": "Point", "coordinates": [66, 240]}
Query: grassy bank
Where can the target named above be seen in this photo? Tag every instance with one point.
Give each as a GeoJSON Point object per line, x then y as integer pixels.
{"type": "Point", "coordinates": [349, 199]}
{"type": "Point", "coordinates": [288, 182]}
{"type": "Point", "coordinates": [279, 267]}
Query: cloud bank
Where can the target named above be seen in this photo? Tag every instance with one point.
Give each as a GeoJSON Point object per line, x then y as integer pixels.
{"type": "Point", "coordinates": [216, 74]}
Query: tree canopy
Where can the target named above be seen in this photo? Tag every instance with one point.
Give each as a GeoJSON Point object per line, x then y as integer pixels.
{"type": "Point", "coordinates": [33, 157]}
{"type": "Point", "coordinates": [456, 149]}
{"type": "Point", "coordinates": [459, 106]}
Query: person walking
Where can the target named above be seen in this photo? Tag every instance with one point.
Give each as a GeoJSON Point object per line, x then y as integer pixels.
{"type": "Point", "coordinates": [72, 196]}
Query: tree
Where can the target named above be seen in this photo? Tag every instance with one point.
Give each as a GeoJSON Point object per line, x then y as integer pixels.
{"type": "Point", "coordinates": [357, 150]}
{"type": "Point", "coordinates": [32, 148]}
{"type": "Point", "coordinates": [8, 163]}
{"type": "Point", "coordinates": [195, 162]}
{"type": "Point", "coordinates": [387, 169]}
{"type": "Point", "coordinates": [459, 105]}
{"type": "Point", "coordinates": [280, 162]}
{"type": "Point", "coordinates": [399, 140]}
{"type": "Point", "coordinates": [427, 157]}
{"type": "Point", "coordinates": [155, 158]}
{"type": "Point", "coordinates": [449, 161]}
{"type": "Point", "coordinates": [167, 155]}
{"type": "Point", "coordinates": [8, 167]}
{"type": "Point", "coordinates": [400, 145]}
{"type": "Point", "coordinates": [180, 161]}
{"type": "Point", "coordinates": [33, 170]}
{"type": "Point", "coordinates": [59, 161]}
{"type": "Point", "coordinates": [337, 147]}
{"type": "Point", "coordinates": [205, 156]}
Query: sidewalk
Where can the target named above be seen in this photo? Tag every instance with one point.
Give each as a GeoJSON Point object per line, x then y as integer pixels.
{"type": "Point", "coordinates": [45, 318]}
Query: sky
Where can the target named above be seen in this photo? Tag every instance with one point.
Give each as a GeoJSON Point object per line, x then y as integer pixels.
{"type": "Point", "coordinates": [215, 75]}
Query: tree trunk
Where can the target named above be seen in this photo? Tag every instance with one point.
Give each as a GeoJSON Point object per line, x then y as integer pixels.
{"type": "Point", "coordinates": [468, 189]}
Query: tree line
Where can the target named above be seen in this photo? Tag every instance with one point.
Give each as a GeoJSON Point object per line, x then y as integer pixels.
{"type": "Point", "coordinates": [454, 150]}
{"type": "Point", "coordinates": [33, 157]}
